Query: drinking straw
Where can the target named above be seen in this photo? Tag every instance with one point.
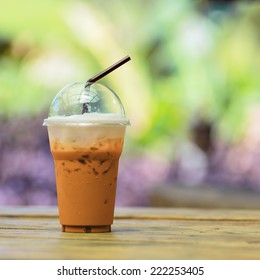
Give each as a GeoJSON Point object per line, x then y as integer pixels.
{"type": "Point", "coordinates": [108, 70]}
{"type": "Point", "coordinates": [89, 82]}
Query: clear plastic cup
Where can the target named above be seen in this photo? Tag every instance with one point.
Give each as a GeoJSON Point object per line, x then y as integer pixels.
{"type": "Point", "coordinates": [86, 128]}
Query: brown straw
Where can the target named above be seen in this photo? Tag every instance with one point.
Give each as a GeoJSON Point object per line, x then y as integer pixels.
{"type": "Point", "coordinates": [85, 108]}
{"type": "Point", "coordinates": [108, 70]}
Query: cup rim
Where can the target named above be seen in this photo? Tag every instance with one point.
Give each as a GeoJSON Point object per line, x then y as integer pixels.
{"type": "Point", "coordinates": [93, 120]}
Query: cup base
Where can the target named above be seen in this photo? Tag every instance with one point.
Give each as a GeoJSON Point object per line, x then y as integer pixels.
{"type": "Point", "coordinates": [86, 229]}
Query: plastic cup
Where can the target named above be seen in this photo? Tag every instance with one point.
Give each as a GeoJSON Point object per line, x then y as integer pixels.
{"type": "Point", "coordinates": [86, 128]}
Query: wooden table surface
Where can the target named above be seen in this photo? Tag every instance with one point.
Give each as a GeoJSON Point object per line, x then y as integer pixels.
{"type": "Point", "coordinates": [137, 233]}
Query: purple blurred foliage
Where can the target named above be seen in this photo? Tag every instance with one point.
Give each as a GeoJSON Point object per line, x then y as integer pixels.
{"type": "Point", "coordinates": [27, 171]}
{"type": "Point", "coordinates": [136, 178]}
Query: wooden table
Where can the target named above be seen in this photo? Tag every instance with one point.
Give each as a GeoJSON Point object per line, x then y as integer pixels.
{"type": "Point", "coordinates": [137, 233]}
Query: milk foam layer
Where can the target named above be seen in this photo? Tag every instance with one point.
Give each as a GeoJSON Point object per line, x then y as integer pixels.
{"type": "Point", "coordinates": [87, 119]}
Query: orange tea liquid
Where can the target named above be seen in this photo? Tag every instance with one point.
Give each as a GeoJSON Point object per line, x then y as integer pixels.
{"type": "Point", "coordinates": [86, 179]}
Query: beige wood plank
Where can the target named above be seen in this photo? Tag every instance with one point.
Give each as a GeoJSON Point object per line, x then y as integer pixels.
{"type": "Point", "coordinates": [41, 238]}
{"type": "Point", "coordinates": [144, 213]}
{"type": "Point", "coordinates": [29, 211]}
{"type": "Point", "coordinates": [188, 214]}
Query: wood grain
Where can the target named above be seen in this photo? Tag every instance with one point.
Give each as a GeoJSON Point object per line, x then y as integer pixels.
{"type": "Point", "coordinates": [137, 233]}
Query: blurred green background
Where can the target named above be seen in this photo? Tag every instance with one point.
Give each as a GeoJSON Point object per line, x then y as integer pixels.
{"type": "Point", "coordinates": [191, 91]}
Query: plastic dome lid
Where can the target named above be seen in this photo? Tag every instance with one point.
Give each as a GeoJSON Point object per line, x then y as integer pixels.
{"type": "Point", "coordinates": [86, 104]}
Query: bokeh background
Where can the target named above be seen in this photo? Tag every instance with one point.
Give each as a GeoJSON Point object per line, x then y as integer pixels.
{"type": "Point", "coordinates": [191, 91]}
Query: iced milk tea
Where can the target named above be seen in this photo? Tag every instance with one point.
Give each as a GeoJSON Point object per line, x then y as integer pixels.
{"type": "Point", "coordinates": [86, 166]}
